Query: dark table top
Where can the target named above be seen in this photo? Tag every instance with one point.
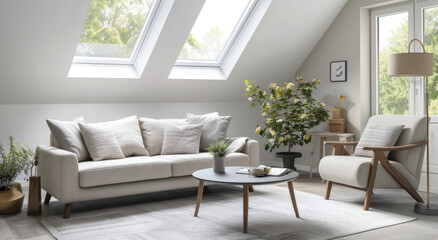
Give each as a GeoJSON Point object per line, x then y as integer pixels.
{"type": "Point", "coordinates": [231, 177]}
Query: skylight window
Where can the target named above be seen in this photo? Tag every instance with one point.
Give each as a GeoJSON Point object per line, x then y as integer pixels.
{"type": "Point", "coordinates": [113, 29]}
{"type": "Point", "coordinates": [214, 31]}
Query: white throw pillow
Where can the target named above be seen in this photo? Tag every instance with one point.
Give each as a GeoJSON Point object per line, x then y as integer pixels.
{"type": "Point", "coordinates": [152, 131]}
{"type": "Point", "coordinates": [236, 144]}
{"type": "Point", "coordinates": [181, 139]}
{"type": "Point", "coordinates": [377, 136]}
{"type": "Point", "coordinates": [101, 141]}
{"type": "Point", "coordinates": [68, 136]}
{"type": "Point", "coordinates": [214, 128]}
{"type": "Point", "coordinates": [128, 135]}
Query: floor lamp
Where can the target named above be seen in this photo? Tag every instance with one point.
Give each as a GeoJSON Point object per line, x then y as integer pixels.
{"type": "Point", "coordinates": [416, 64]}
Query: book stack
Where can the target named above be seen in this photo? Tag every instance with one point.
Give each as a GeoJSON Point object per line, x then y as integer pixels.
{"type": "Point", "coordinates": [263, 170]}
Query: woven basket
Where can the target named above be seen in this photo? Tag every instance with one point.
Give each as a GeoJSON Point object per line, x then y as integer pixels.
{"type": "Point", "coordinates": [11, 199]}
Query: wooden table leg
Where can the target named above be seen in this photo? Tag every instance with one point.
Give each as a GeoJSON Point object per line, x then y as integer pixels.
{"type": "Point", "coordinates": [199, 198]}
{"type": "Point", "coordinates": [245, 208]}
{"type": "Point", "coordinates": [292, 197]}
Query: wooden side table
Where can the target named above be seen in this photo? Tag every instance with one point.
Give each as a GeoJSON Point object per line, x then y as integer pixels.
{"type": "Point", "coordinates": [343, 137]}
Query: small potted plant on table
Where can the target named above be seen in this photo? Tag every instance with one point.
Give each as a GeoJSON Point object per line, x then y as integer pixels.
{"type": "Point", "coordinates": [288, 112]}
{"type": "Point", "coordinates": [19, 159]}
{"type": "Point", "coordinates": [219, 151]}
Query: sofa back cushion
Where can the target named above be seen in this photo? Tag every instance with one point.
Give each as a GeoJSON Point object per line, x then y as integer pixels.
{"type": "Point", "coordinates": [68, 137]}
{"type": "Point", "coordinates": [152, 131]}
{"type": "Point", "coordinates": [181, 139]}
{"type": "Point", "coordinates": [214, 128]}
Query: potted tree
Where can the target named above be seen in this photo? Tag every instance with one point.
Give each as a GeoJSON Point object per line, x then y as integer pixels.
{"type": "Point", "coordinates": [219, 151]}
{"type": "Point", "coordinates": [289, 111]}
{"type": "Point", "coordinates": [19, 159]}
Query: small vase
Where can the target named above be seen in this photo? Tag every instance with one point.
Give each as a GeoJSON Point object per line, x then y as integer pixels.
{"type": "Point", "coordinates": [219, 164]}
{"type": "Point", "coordinates": [11, 199]}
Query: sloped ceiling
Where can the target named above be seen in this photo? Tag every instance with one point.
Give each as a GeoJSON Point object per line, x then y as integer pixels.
{"type": "Point", "coordinates": [39, 38]}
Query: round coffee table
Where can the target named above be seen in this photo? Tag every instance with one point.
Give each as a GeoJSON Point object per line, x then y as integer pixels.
{"type": "Point", "coordinates": [247, 181]}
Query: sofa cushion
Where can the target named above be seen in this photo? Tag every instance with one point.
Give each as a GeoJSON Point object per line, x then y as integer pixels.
{"type": "Point", "coordinates": [354, 171]}
{"type": "Point", "coordinates": [186, 164]}
{"type": "Point", "coordinates": [181, 139]}
{"type": "Point", "coordinates": [68, 137]}
{"type": "Point", "coordinates": [128, 135]}
{"type": "Point", "coordinates": [130, 169]}
{"type": "Point", "coordinates": [101, 141]}
{"type": "Point", "coordinates": [152, 131]}
{"type": "Point", "coordinates": [214, 128]}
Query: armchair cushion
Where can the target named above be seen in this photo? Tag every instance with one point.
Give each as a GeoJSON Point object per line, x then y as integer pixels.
{"type": "Point", "coordinates": [377, 136]}
{"type": "Point", "coordinates": [354, 171]}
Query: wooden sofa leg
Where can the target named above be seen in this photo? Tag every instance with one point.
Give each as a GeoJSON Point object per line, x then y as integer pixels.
{"type": "Point", "coordinates": [328, 189]}
{"type": "Point", "coordinates": [47, 198]}
{"type": "Point", "coordinates": [251, 188]}
{"type": "Point", "coordinates": [67, 210]}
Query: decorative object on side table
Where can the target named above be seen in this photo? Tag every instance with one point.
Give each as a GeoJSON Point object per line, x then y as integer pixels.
{"type": "Point", "coordinates": [288, 112]}
{"type": "Point", "coordinates": [416, 64]}
{"type": "Point", "coordinates": [338, 71]}
{"type": "Point", "coordinates": [17, 160]}
{"type": "Point", "coordinates": [219, 151]}
{"type": "Point", "coordinates": [338, 123]}
{"type": "Point", "coordinates": [34, 200]}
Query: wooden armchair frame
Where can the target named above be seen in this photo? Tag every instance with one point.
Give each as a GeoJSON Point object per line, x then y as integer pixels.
{"type": "Point", "coordinates": [378, 156]}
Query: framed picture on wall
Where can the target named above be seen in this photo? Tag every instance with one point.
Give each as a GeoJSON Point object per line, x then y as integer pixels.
{"type": "Point", "coordinates": [338, 71]}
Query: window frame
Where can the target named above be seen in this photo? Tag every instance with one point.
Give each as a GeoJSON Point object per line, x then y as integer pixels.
{"type": "Point", "coordinates": [151, 16]}
{"type": "Point", "coordinates": [244, 18]}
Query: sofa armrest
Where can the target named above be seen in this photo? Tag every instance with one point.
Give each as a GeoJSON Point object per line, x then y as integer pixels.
{"type": "Point", "coordinates": [252, 149]}
{"type": "Point", "coordinates": [59, 172]}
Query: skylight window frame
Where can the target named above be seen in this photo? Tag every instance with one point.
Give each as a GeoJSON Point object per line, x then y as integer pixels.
{"type": "Point", "coordinates": [243, 20]}
{"type": "Point", "coordinates": [150, 18]}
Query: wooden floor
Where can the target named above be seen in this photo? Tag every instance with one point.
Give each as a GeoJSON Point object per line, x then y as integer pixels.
{"type": "Point", "coordinates": [20, 226]}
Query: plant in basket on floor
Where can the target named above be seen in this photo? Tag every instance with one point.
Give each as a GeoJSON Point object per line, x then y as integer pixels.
{"type": "Point", "coordinates": [219, 151]}
{"type": "Point", "coordinates": [19, 159]}
{"type": "Point", "coordinates": [288, 112]}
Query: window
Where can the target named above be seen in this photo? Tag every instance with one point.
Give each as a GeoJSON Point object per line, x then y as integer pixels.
{"type": "Point", "coordinates": [218, 37]}
{"type": "Point", "coordinates": [392, 29]}
{"type": "Point", "coordinates": [216, 26]}
{"type": "Point", "coordinates": [112, 30]}
{"type": "Point", "coordinates": [118, 37]}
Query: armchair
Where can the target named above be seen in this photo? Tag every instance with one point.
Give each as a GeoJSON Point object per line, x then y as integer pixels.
{"type": "Point", "coordinates": [401, 169]}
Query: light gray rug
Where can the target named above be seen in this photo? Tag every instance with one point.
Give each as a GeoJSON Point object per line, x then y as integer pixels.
{"type": "Point", "coordinates": [271, 216]}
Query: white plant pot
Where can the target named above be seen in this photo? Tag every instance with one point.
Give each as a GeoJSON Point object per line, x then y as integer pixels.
{"type": "Point", "coordinates": [219, 164]}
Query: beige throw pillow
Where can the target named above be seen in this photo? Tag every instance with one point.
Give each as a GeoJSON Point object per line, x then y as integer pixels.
{"type": "Point", "coordinates": [68, 136]}
{"type": "Point", "coordinates": [236, 144]}
{"type": "Point", "coordinates": [101, 141]}
{"type": "Point", "coordinates": [181, 139]}
{"type": "Point", "coordinates": [377, 136]}
{"type": "Point", "coordinates": [214, 128]}
{"type": "Point", "coordinates": [152, 131]}
{"type": "Point", "coordinates": [128, 135]}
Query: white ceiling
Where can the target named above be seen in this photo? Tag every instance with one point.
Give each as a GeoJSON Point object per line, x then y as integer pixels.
{"type": "Point", "coordinates": [39, 38]}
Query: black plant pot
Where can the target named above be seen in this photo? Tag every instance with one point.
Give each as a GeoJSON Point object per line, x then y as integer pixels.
{"type": "Point", "coordinates": [289, 159]}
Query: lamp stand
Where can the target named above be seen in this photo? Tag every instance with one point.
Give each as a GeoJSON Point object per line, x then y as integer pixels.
{"type": "Point", "coordinates": [421, 208]}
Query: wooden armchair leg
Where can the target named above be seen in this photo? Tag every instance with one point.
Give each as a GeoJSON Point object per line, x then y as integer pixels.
{"type": "Point", "coordinates": [328, 189]}
{"type": "Point", "coordinates": [47, 198]}
{"type": "Point", "coordinates": [67, 210]}
{"type": "Point", "coordinates": [372, 178]}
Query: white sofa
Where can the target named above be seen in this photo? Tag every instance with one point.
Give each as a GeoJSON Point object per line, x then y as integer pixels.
{"type": "Point", "coordinates": [70, 180]}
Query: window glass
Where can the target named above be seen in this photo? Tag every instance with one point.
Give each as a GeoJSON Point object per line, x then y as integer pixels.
{"type": "Point", "coordinates": [214, 29]}
{"type": "Point", "coordinates": [393, 92]}
{"type": "Point", "coordinates": [113, 28]}
{"type": "Point", "coordinates": [430, 17]}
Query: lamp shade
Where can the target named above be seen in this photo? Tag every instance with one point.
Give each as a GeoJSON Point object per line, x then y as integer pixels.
{"type": "Point", "coordinates": [410, 64]}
